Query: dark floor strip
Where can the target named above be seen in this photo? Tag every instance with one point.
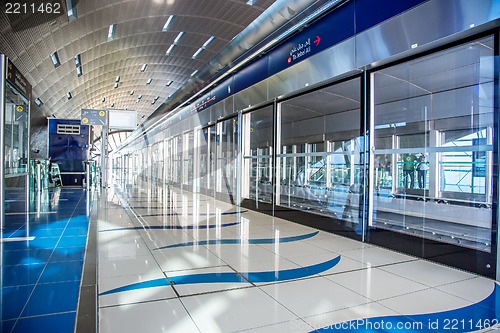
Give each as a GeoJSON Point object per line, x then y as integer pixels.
{"type": "Point", "coordinates": [86, 318]}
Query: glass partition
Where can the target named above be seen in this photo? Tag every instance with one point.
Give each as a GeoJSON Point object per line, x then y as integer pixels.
{"type": "Point", "coordinates": [257, 134]}
{"type": "Point", "coordinates": [320, 164]}
{"type": "Point", "coordinates": [227, 144]}
{"type": "Point", "coordinates": [207, 159]}
{"type": "Point", "coordinates": [16, 132]}
{"type": "Point", "coordinates": [433, 146]}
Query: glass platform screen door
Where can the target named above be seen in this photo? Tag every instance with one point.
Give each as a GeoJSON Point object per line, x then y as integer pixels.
{"type": "Point", "coordinates": [15, 92]}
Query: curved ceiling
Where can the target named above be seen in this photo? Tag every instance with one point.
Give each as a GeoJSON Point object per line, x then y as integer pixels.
{"type": "Point", "coordinates": [139, 39]}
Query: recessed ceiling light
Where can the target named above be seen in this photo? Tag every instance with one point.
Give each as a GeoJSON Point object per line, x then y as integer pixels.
{"type": "Point", "coordinates": [38, 102]}
{"type": "Point", "coordinates": [197, 53]}
{"type": "Point", "coordinates": [169, 83]}
{"type": "Point", "coordinates": [112, 105]}
{"type": "Point", "coordinates": [143, 68]}
{"type": "Point", "coordinates": [117, 79]}
{"type": "Point", "coordinates": [178, 38]}
{"type": "Point", "coordinates": [111, 32]}
{"type": "Point", "coordinates": [55, 59]}
{"type": "Point", "coordinates": [78, 60]}
{"type": "Point", "coordinates": [71, 6]}
{"type": "Point", "coordinates": [69, 95]}
{"type": "Point", "coordinates": [170, 49]}
{"type": "Point", "coordinates": [210, 40]}
{"type": "Point", "coordinates": [116, 85]}
{"type": "Point", "coordinates": [140, 96]}
{"type": "Point", "coordinates": [131, 92]}
{"type": "Point", "coordinates": [149, 81]}
{"type": "Point", "coordinates": [103, 99]}
{"type": "Point", "coordinates": [167, 24]}
{"type": "Point", "coordinates": [194, 73]}
{"type": "Point", "coordinates": [79, 71]}
{"type": "Point", "coordinates": [251, 2]}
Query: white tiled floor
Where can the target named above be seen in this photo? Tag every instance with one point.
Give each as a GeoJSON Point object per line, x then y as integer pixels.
{"type": "Point", "coordinates": [368, 281]}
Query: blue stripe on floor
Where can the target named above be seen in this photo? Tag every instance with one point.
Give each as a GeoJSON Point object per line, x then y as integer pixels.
{"type": "Point", "coordinates": [240, 241]}
{"type": "Point", "coordinates": [170, 227]}
{"type": "Point", "coordinates": [267, 276]}
{"type": "Point", "coordinates": [201, 214]}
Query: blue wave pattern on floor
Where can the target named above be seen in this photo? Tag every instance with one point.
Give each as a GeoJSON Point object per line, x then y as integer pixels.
{"type": "Point", "coordinates": [177, 214]}
{"type": "Point", "coordinates": [239, 241]}
{"type": "Point", "coordinates": [267, 276]}
{"type": "Point", "coordinates": [172, 227]}
{"type": "Point", "coordinates": [466, 319]}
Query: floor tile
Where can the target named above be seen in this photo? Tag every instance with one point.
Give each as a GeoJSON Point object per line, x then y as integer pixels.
{"type": "Point", "coordinates": [295, 326]}
{"type": "Point", "coordinates": [14, 299]}
{"type": "Point", "coordinates": [21, 274]}
{"type": "Point", "coordinates": [228, 311]}
{"type": "Point", "coordinates": [26, 257]}
{"type": "Point", "coordinates": [133, 296]}
{"type": "Point", "coordinates": [62, 271]}
{"type": "Point", "coordinates": [334, 320]}
{"type": "Point", "coordinates": [428, 273]}
{"type": "Point", "coordinates": [317, 295]}
{"type": "Point", "coordinates": [425, 301]}
{"type": "Point", "coordinates": [198, 276]}
{"type": "Point", "coordinates": [376, 284]}
{"type": "Point", "coordinates": [128, 266]}
{"type": "Point", "coordinates": [376, 256]}
{"type": "Point", "coordinates": [6, 326]}
{"type": "Point", "coordinates": [181, 259]}
{"type": "Point", "coordinates": [67, 254]}
{"type": "Point", "coordinates": [72, 241]}
{"type": "Point", "coordinates": [160, 316]}
{"type": "Point", "coordinates": [53, 298]}
{"type": "Point", "coordinates": [473, 290]}
{"type": "Point", "coordinates": [57, 323]}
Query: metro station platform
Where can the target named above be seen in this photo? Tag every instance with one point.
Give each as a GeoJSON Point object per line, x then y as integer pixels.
{"type": "Point", "coordinates": [178, 262]}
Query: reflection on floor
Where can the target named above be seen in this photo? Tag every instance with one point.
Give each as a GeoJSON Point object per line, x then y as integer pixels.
{"type": "Point", "coordinates": [178, 262]}
{"type": "Point", "coordinates": [42, 258]}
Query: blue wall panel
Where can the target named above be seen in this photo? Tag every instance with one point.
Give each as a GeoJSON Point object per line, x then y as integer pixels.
{"type": "Point", "coordinates": [69, 151]}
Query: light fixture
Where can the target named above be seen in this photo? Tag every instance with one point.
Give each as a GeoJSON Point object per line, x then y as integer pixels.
{"type": "Point", "coordinates": [251, 2]}
{"type": "Point", "coordinates": [170, 49]}
{"type": "Point", "coordinates": [116, 85]}
{"type": "Point", "coordinates": [131, 92]}
{"type": "Point", "coordinates": [103, 99]}
{"type": "Point", "coordinates": [194, 73]}
{"type": "Point", "coordinates": [111, 32]}
{"type": "Point", "coordinates": [153, 102]}
{"type": "Point", "coordinates": [208, 42]}
{"type": "Point", "coordinates": [117, 79]}
{"type": "Point", "coordinates": [78, 60]}
{"type": "Point", "coordinates": [55, 59]}
{"type": "Point", "coordinates": [69, 95]}
{"type": "Point", "coordinates": [140, 96]}
{"type": "Point", "coordinates": [71, 6]}
{"type": "Point", "coordinates": [79, 71]}
{"type": "Point", "coordinates": [156, 98]}
{"type": "Point", "coordinates": [143, 68]}
{"type": "Point", "coordinates": [113, 105]}
{"type": "Point", "coordinates": [149, 81]}
{"type": "Point", "coordinates": [178, 38]}
{"type": "Point", "coordinates": [197, 53]}
{"type": "Point", "coordinates": [167, 24]}
{"type": "Point", "coordinates": [38, 102]}
{"type": "Point", "coordinates": [169, 83]}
